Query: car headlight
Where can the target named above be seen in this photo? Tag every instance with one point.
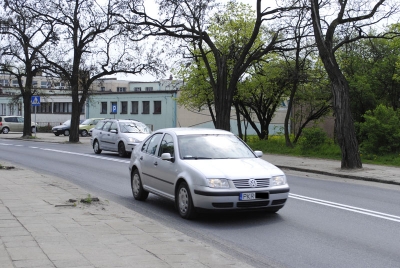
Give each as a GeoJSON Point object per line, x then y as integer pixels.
{"type": "Point", "coordinates": [218, 183]}
{"type": "Point", "coordinates": [278, 180]}
{"type": "Point", "coordinates": [133, 140]}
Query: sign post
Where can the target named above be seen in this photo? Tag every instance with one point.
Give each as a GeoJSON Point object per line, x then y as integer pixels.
{"type": "Point", "coordinates": [114, 109]}
{"type": "Point", "coordinates": [35, 101]}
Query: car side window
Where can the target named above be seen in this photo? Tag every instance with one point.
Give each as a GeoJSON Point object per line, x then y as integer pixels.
{"type": "Point", "coordinates": [114, 126]}
{"type": "Point", "coordinates": [107, 126]}
{"type": "Point", "coordinates": [151, 144]}
{"type": "Point", "coordinates": [167, 145]}
{"type": "Point", "coordinates": [20, 119]}
{"type": "Point", "coordinates": [100, 125]}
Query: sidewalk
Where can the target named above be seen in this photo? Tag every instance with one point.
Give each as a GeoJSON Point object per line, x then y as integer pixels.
{"type": "Point", "coordinates": [44, 221]}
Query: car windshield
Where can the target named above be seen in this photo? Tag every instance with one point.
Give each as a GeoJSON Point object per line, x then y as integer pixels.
{"type": "Point", "coordinates": [67, 123]}
{"type": "Point", "coordinates": [134, 127]}
{"type": "Point", "coordinates": [86, 122]}
{"type": "Point", "coordinates": [213, 147]}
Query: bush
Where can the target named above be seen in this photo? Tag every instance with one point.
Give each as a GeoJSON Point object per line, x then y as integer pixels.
{"type": "Point", "coordinates": [381, 131]}
{"type": "Point", "coordinates": [312, 138]}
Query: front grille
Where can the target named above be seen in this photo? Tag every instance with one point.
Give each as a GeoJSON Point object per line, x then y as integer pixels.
{"type": "Point", "coordinates": [252, 204]}
{"type": "Point", "coordinates": [244, 183]}
{"type": "Point", "coordinates": [223, 205]}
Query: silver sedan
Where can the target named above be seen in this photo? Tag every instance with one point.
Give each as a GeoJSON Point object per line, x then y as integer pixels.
{"type": "Point", "coordinates": [205, 170]}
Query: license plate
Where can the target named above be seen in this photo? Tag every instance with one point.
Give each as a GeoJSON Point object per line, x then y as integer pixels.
{"type": "Point", "coordinates": [247, 196]}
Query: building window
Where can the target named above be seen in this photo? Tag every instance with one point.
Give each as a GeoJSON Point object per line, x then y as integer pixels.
{"type": "Point", "coordinates": [113, 106]}
{"type": "Point", "coordinates": [135, 107]}
{"type": "Point", "coordinates": [62, 107]}
{"type": "Point", "coordinates": [149, 88]}
{"type": "Point", "coordinates": [59, 85]}
{"type": "Point", "coordinates": [124, 107]}
{"type": "Point", "coordinates": [103, 89]}
{"type": "Point", "coordinates": [103, 108]}
{"type": "Point", "coordinates": [15, 83]}
{"type": "Point", "coordinates": [157, 107]}
{"type": "Point", "coordinates": [146, 107]}
{"type": "Point", "coordinates": [45, 84]}
{"type": "Point", "coordinates": [137, 89]}
{"type": "Point", "coordinates": [4, 82]}
{"type": "Point", "coordinates": [43, 108]}
{"type": "Point", "coordinates": [34, 84]}
{"type": "Point", "coordinates": [121, 89]}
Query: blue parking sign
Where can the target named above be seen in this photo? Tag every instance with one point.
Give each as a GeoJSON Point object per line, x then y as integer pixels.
{"type": "Point", "coordinates": [35, 100]}
{"type": "Point", "coordinates": [114, 108]}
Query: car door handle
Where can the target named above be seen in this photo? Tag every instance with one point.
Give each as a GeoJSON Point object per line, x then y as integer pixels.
{"type": "Point", "coordinates": [141, 158]}
{"type": "Point", "coordinates": [155, 163]}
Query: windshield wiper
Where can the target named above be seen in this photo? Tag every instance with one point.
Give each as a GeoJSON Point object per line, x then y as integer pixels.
{"type": "Point", "coordinates": [196, 157]}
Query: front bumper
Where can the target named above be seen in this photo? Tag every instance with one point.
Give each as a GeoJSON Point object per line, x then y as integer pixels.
{"type": "Point", "coordinates": [211, 199]}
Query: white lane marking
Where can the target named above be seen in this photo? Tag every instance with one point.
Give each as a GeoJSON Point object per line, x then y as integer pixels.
{"type": "Point", "coordinates": [346, 207]}
{"type": "Point", "coordinates": [86, 155]}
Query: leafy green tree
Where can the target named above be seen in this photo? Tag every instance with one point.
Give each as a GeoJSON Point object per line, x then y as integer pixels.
{"type": "Point", "coordinates": [380, 132]}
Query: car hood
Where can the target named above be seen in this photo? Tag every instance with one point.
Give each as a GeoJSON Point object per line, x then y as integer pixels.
{"type": "Point", "coordinates": [61, 127]}
{"type": "Point", "coordinates": [234, 168]}
{"type": "Point", "coordinates": [138, 136]}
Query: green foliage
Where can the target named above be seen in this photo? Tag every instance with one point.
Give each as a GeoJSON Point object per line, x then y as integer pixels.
{"type": "Point", "coordinates": [380, 133]}
{"type": "Point", "coordinates": [312, 138]}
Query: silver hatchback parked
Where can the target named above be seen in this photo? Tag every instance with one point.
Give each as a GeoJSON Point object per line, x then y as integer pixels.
{"type": "Point", "coordinates": [118, 135]}
{"type": "Point", "coordinates": [205, 169]}
{"type": "Point", "coordinates": [13, 123]}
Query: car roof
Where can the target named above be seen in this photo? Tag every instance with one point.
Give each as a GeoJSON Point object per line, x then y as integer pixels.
{"type": "Point", "coordinates": [193, 131]}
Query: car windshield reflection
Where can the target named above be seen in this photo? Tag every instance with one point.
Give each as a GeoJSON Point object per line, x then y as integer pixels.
{"type": "Point", "coordinates": [134, 128]}
{"type": "Point", "coordinates": [197, 147]}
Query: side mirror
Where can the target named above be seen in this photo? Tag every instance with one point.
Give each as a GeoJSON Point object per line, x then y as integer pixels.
{"type": "Point", "coordinates": [167, 156]}
{"type": "Point", "coordinates": [258, 153]}
{"type": "Point", "coordinates": [113, 131]}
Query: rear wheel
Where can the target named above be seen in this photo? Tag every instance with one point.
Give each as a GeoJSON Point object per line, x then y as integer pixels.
{"type": "Point", "coordinates": [66, 132]}
{"type": "Point", "coordinates": [84, 133]}
{"type": "Point", "coordinates": [121, 149]}
{"type": "Point", "coordinates": [96, 147]}
{"type": "Point", "coordinates": [137, 188]}
{"type": "Point", "coordinates": [6, 130]}
{"type": "Point", "coordinates": [33, 129]}
{"type": "Point", "coordinates": [184, 202]}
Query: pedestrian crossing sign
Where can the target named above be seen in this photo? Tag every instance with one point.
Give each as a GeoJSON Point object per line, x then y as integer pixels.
{"type": "Point", "coordinates": [35, 100]}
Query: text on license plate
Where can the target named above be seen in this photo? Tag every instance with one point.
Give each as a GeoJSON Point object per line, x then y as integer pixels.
{"type": "Point", "coordinates": [247, 196]}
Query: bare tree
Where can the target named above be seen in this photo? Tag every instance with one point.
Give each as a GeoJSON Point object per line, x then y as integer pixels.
{"type": "Point", "coordinates": [92, 45]}
{"type": "Point", "coordinates": [331, 31]}
{"type": "Point", "coordinates": [23, 36]}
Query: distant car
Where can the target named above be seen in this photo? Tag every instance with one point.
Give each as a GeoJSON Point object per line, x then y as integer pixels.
{"type": "Point", "coordinates": [62, 129]}
{"type": "Point", "coordinates": [117, 135]}
{"type": "Point", "coordinates": [14, 123]}
{"type": "Point", "coordinates": [205, 169]}
{"type": "Point", "coordinates": [85, 126]}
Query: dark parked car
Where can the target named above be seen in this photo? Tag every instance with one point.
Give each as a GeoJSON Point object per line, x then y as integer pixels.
{"type": "Point", "coordinates": [62, 129]}
{"type": "Point", "coordinates": [205, 169]}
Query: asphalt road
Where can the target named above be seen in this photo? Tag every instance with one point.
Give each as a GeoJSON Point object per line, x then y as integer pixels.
{"type": "Point", "coordinates": [327, 222]}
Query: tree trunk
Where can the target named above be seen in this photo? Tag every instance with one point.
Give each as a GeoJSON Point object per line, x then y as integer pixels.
{"type": "Point", "coordinates": [27, 113]}
{"type": "Point", "coordinates": [75, 116]}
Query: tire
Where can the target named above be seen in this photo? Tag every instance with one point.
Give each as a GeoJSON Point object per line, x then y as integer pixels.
{"type": "Point", "coordinates": [121, 149]}
{"type": "Point", "coordinates": [84, 133]}
{"type": "Point", "coordinates": [57, 134]}
{"type": "Point", "coordinates": [66, 132]}
{"type": "Point", "coordinates": [6, 130]}
{"type": "Point", "coordinates": [137, 188]}
{"type": "Point", "coordinates": [33, 129]}
{"type": "Point", "coordinates": [96, 147]}
{"type": "Point", "coordinates": [184, 202]}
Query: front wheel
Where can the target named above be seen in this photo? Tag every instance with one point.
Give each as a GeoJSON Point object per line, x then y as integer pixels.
{"type": "Point", "coordinates": [121, 149]}
{"type": "Point", "coordinates": [33, 129]}
{"type": "Point", "coordinates": [137, 188]}
{"type": "Point", "coordinates": [84, 133]}
{"type": "Point", "coordinates": [96, 147]}
{"type": "Point", "coordinates": [66, 132]}
{"type": "Point", "coordinates": [184, 202]}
